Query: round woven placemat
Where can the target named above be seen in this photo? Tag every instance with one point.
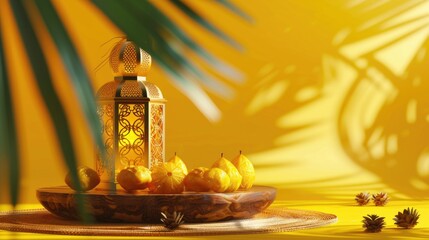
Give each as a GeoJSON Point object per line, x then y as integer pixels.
{"type": "Point", "coordinates": [271, 220]}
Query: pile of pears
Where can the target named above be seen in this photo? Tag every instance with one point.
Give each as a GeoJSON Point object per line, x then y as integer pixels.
{"type": "Point", "coordinates": [173, 177]}
{"type": "Point", "coordinates": [223, 176]}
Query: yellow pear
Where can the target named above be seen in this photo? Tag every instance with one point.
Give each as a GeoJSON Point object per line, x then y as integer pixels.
{"type": "Point", "coordinates": [134, 178]}
{"type": "Point", "coordinates": [195, 181]}
{"type": "Point", "coordinates": [88, 178]}
{"type": "Point", "coordinates": [245, 168]}
{"type": "Point", "coordinates": [231, 171]}
{"type": "Point", "coordinates": [167, 178]}
{"type": "Point", "coordinates": [179, 162]}
{"type": "Point", "coordinates": [217, 180]}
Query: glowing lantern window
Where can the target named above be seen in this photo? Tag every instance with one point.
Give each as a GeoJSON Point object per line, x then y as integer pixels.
{"type": "Point", "coordinates": [132, 111]}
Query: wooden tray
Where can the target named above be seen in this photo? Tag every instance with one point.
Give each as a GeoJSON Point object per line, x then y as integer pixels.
{"type": "Point", "coordinates": [142, 206]}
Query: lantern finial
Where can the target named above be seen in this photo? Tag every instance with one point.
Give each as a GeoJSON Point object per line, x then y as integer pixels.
{"type": "Point", "coordinates": [128, 60]}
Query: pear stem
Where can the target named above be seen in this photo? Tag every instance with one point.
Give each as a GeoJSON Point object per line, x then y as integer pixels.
{"type": "Point", "coordinates": [175, 154]}
{"type": "Point", "coordinates": [240, 152]}
{"type": "Point", "coordinates": [221, 155]}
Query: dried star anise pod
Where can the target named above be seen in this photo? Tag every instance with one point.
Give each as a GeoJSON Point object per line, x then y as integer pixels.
{"type": "Point", "coordinates": [373, 223]}
{"type": "Point", "coordinates": [380, 199]}
{"type": "Point", "coordinates": [172, 221]}
{"type": "Point", "coordinates": [363, 198]}
{"type": "Point", "coordinates": [407, 219]}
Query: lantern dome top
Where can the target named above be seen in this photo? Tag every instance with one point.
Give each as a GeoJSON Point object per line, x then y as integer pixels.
{"type": "Point", "coordinates": [129, 60]}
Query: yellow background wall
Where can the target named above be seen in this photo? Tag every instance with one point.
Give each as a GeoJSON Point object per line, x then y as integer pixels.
{"type": "Point", "coordinates": [332, 99]}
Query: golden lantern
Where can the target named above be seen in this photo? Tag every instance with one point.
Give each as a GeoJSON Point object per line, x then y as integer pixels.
{"type": "Point", "coordinates": [132, 112]}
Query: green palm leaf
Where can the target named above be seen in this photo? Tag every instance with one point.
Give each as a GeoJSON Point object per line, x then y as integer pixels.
{"type": "Point", "coordinates": [204, 23]}
{"type": "Point", "coordinates": [76, 70]}
{"type": "Point", "coordinates": [48, 94]}
{"type": "Point", "coordinates": [164, 40]}
{"type": "Point", "coordinates": [164, 24]}
{"type": "Point", "coordinates": [9, 155]}
{"type": "Point", "coordinates": [228, 5]}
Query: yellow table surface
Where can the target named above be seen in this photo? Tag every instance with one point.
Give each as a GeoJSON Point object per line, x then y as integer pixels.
{"type": "Point", "coordinates": [349, 224]}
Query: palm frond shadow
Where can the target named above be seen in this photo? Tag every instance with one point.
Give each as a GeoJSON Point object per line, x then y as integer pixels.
{"type": "Point", "coordinates": [288, 76]}
{"type": "Point", "coordinates": [326, 189]}
{"type": "Point", "coordinates": [392, 233]}
{"type": "Point", "coordinates": [276, 164]}
{"type": "Point", "coordinates": [394, 143]}
{"type": "Point", "coordinates": [399, 166]}
{"type": "Point", "coordinates": [372, 18]}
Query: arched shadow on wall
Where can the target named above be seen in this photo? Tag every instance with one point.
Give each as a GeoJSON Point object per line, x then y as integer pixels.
{"type": "Point", "coordinates": [391, 137]}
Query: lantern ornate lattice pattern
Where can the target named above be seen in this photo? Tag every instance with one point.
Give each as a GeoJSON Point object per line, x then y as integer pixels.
{"type": "Point", "coordinates": [132, 113]}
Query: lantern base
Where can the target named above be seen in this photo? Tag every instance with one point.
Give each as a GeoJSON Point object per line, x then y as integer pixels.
{"type": "Point", "coordinates": [120, 206]}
